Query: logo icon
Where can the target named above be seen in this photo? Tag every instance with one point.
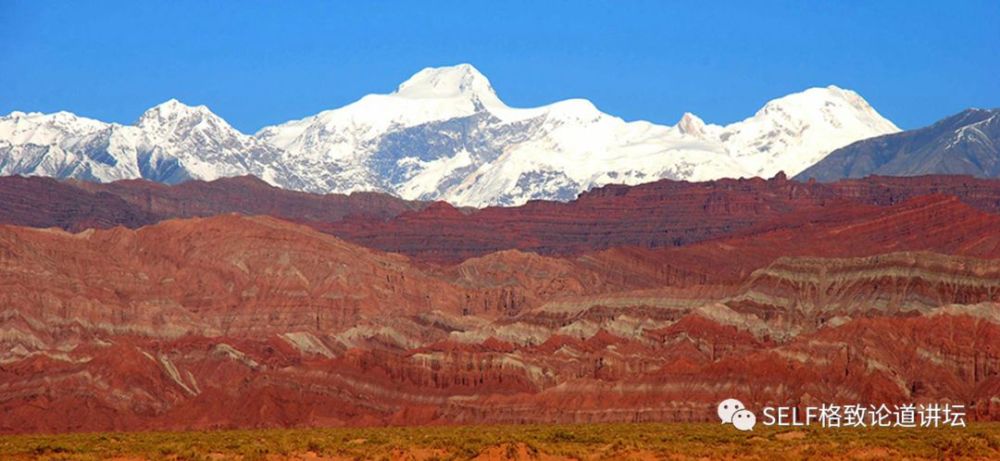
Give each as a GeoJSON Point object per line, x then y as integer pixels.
{"type": "Point", "coordinates": [732, 411]}
{"type": "Point", "coordinates": [744, 420]}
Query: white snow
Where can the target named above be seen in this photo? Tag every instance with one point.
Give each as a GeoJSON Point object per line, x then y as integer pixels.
{"type": "Point", "coordinates": [202, 144]}
{"type": "Point", "coordinates": [798, 130]}
{"type": "Point", "coordinates": [442, 134]}
{"type": "Point", "coordinates": [429, 174]}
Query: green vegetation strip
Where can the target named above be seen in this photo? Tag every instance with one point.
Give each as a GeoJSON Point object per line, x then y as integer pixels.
{"type": "Point", "coordinates": [591, 441]}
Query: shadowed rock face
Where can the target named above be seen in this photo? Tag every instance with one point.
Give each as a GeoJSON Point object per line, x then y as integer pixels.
{"type": "Point", "coordinates": [78, 205]}
{"type": "Point", "coordinates": [967, 143]}
{"type": "Point", "coordinates": [250, 196]}
{"type": "Point", "coordinates": [233, 321]}
{"type": "Point", "coordinates": [45, 202]}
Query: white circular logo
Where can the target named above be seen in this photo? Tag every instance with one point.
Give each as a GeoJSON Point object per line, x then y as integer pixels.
{"type": "Point", "coordinates": [744, 420]}
{"type": "Point", "coordinates": [727, 408]}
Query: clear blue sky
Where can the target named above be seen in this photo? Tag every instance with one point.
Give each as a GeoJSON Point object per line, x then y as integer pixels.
{"type": "Point", "coordinates": [261, 63]}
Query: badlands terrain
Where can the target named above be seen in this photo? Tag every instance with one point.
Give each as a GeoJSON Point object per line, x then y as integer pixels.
{"type": "Point", "coordinates": [134, 305]}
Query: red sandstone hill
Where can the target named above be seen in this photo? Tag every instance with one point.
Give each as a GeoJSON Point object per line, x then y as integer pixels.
{"type": "Point", "coordinates": [659, 214]}
{"type": "Point", "coordinates": [250, 196]}
{"type": "Point", "coordinates": [978, 193]}
{"type": "Point", "coordinates": [46, 202]}
{"type": "Point", "coordinates": [929, 223]}
{"type": "Point", "coordinates": [233, 321]}
{"type": "Point", "coordinates": [77, 205]}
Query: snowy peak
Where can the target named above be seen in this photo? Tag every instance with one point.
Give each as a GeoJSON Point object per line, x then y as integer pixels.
{"type": "Point", "coordinates": [812, 101]}
{"type": "Point", "coordinates": [459, 81]}
{"type": "Point", "coordinates": [170, 142]}
{"type": "Point", "coordinates": [44, 129]}
{"type": "Point", "coordinates": [692, 125]}
{"type": "Point", "coordinates": [173, 114]}
{"type": "Point", "coordinates": [192, 132]}
{"type": "Point", "coordinates": [445, 82]}
{"type": "Point", "coordinates": [335, 144]}
{"type": "Point", "coordinates": [795, 131]}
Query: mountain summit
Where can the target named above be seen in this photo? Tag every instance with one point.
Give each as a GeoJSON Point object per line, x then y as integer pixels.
{"type": "Point", "coordinates": [461, 80]}
{"type": "Point", "coordinates": [795, 131]}
{"type": "Point", "coordinates": [443, 134]}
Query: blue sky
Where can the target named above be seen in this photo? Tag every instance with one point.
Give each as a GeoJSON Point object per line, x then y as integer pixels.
{"type": "Point", "coordinates": [259, 63]}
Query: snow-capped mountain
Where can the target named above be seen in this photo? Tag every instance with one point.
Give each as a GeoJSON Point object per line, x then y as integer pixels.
{"type": "Point", "coordinates": [798, 130]}
{"type": "Point", "coordinates": [443, 134]}
{"type": "Point", "coordinates": [63, 145]}
{"type": "Point", "coordinates": [170, 143]}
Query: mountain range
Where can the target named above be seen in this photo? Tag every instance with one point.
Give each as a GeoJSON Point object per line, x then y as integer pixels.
{"type": "Point", "coordinates": [444, 134]}
{"type": "Point", "coordinates": [661, 214]}
{"type": "Point", "coordinates": [967, 143]}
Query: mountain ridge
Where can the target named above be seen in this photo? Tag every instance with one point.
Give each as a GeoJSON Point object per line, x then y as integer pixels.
{"type": "Point", "coordinates": [665, 213]}
{"type": "Point", "coordinates": [443, 134]}
{"type": "Point", "coordinates": [965, 143]}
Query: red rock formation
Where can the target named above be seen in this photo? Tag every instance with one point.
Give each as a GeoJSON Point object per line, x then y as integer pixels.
{"type": "Point", "coordinates": [659, 214]}
{"type": "Point", "coordinates": [819, 290]}
{"type": "Point", "coordinates": [250, 196]}
{"type": "Point", "coordinates": [235, 321]}
{"type": "Point", "coordinates": [78, 205]}
{"type": "Point", "coordinates": [930, 223]}
{"type": "Point", "coordinates": [978, 193]}
{"type": "Point", "coordinates": [45, 202]}
{"type": "Point", "coordinates": [664, 213]}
